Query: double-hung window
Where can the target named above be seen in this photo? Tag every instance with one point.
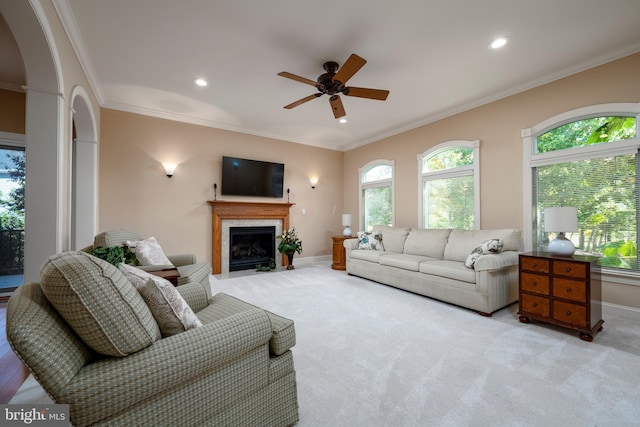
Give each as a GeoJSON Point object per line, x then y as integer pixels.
{"type": "Point", "coordinates": [449, 195]}
{"type": "Point", "coordinates": [588, 159]}
{"type": "Point", "coordinates": [376, 194]}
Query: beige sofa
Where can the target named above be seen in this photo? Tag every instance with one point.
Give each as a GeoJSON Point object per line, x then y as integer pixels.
{"type": "Point", "coordinates": [432, 263]}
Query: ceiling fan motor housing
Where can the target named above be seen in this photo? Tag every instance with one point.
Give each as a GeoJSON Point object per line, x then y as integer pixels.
{"type": "Point", "coordinates": [326, 84]}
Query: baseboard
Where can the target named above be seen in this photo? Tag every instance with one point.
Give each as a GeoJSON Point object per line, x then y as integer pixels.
{"type": "Point", "coordinates": [620, 310]}
{"type": "Point", "coordinates": [322, 259]}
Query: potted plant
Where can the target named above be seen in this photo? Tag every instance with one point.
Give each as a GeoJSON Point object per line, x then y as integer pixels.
{"type": "Point", "coordinates": [289, 245]}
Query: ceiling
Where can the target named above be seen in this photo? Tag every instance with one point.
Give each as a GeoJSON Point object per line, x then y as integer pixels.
{"type": "Point", "coordinates": [142, 56]}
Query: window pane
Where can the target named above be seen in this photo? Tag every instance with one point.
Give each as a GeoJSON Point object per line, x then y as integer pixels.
{"type": "Point", "coordinates": [585, 132]}
{"type": "Point", "coordinates": [605, 194]}
{"type": "Point", "coordinates": [377, 207]}
{"type": "Point", "coordinates": [448, 159]}
{"type": "Point", "coordinates": [377, 173]}
{"type": "Point", "coordinates": [449, 203]}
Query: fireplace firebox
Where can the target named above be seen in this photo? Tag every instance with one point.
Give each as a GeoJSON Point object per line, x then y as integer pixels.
{"type": "Point", "coordinates": [251, 246]}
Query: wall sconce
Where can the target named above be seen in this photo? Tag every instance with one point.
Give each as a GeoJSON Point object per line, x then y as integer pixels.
{"type": "Point", "coordinates": [314, 182]}
{"type": "Point", "coordinates": [169, 168]}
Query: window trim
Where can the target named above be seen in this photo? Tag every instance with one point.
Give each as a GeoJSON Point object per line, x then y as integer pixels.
{"type": "Point", "coordinates": [531, 159]}
{"type": "Point", "coordinates": [376, 184]}
{"type": "Point", "coordinates": [468, 170]}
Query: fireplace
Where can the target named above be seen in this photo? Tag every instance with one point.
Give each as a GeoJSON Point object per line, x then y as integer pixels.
{"type": "Point", "coordinates": [226, 214]}
{"type": "Point", "coordinates": [251, 246]}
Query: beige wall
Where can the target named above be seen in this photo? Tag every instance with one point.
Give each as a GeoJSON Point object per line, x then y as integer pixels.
{"type": "Point", "coordinates": [12, 109]}
{"type": "Point", "coordinates": [135, 192]}
{"type": "Point", "coordinates": [497, 126]}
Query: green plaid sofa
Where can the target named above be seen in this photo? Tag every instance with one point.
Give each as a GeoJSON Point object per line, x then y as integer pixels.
{"type": "Point", "coordinates": [234, 370]}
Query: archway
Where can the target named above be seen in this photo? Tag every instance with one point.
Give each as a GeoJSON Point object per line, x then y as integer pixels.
{"type": "Point", "coordinates": [84, 168]}
{"type": "Point", "coordinates": [45, 108]}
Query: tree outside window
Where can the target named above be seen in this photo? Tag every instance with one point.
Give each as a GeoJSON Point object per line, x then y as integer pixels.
{"type": "Point", "coordinates": [591, 164]}
{"type": "Point", "coordinates": [449, 193]}
{"type": "Point", "coordinates": [376, 190]}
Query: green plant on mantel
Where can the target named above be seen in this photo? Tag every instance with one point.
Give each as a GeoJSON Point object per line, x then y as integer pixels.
{"type": "Point", "coordinates": [290, 242]}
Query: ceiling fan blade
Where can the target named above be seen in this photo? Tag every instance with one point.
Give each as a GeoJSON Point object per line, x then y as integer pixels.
{"type": "Point", "coordinates": [302, 101]}
{"type": "Point", "coordinates": [362, 92]}
{"type": "Point", "coordinates": [337, 107]}
{"type": "Point", "coordinates": [297, 78]}
{"type": "Point", "coordinates": [349, 68]}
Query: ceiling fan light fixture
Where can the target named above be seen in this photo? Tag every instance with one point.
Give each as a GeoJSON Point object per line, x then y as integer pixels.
{"type": "Point", "coordinates": [199, 81]}
{"type": "Point", "coordinates": [499, 42]}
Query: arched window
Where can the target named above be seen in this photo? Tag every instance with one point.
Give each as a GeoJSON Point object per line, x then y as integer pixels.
{"type": "Point", "coordinates": [376, 194]}
{"type": "Point", "coordinates": [449, 191]}
{"type": "Point", "coordinates": [587, 159]}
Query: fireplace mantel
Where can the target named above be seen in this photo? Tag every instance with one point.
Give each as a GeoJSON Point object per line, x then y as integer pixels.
{"type": "Point", "coordinates": [222, 210]}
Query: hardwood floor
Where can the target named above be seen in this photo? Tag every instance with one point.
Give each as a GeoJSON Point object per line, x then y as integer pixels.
{"type": "Point", "coordinates": [12, 371]}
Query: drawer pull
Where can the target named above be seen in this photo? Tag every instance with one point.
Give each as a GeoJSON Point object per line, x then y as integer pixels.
{"type": "Point", "coordinates": [534, 283]}
{"type": "Point", "coordinates": [534, 265]}
{"type": "Point", "coordinates": [568, 313]}
{"type": "Point", "coordinates": [568, 289]}
{"type": "Point", "coordinates": [535, 304]}
{"type": "Point", "coordinates": [568, 269]}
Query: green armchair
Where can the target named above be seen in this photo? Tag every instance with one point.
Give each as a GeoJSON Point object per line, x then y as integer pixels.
{"type": "Point", "coordinates": [235, 369]}
{"type": "Point", "coordinates": [193, 283]}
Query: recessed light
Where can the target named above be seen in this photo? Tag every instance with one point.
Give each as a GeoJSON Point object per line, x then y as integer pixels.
{"type": "Point", "coordinates": [343, 120]}
{"type": "Point", "coordinates": [200, 82]}
{"type": "Point", "coordinates": [499, 42]}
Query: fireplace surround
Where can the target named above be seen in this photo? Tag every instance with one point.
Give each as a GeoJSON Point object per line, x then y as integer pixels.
{"type": "Point", "coordinates": [226, 214]}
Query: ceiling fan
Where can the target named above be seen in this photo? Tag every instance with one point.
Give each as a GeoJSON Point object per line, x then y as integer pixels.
{"type": "Point", "coordinates": [333, 83]}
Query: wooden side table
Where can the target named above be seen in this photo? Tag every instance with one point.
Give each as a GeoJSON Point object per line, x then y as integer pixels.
{"type": "Point", "coordinates": [171, 274]}
{"type": "Point", "coordinates": [339, 252]}
{"type": "Point", "coordinates": [561, 290]}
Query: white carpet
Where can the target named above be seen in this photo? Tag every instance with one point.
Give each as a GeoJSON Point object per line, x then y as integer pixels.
{"type": "Point", "coordinates": [372, 355]}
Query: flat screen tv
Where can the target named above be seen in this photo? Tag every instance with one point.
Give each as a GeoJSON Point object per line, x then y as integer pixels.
{"type": "Point", "coordinates": [244, 177]}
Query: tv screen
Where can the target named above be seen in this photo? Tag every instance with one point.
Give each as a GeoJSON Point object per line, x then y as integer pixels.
{"type": "Point", "coordinates": [244, 177]}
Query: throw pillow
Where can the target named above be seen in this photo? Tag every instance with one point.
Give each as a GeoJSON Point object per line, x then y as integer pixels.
{"type": "Point", "coordinates": [149, 252]}
{"type": "Point", "coordinates": [370, 241]}
{"type": "Point", "coordinates": [99, 303]}
{"type": "Point", "coordinates": [491, 246]}
{"type": "Point", "coordinates": [170, 310]}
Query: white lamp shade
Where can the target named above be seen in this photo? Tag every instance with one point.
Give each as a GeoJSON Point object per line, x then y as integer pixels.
{"type": "Point", "coordinates": [346, 221]}
{"type": "Point", "coordinates": [561, 219]}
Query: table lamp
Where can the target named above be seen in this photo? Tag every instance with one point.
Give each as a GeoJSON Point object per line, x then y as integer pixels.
{"type": "Point", "coordinates": [346, 222]}
{"type": "Point", "coordinates": [561, 220]}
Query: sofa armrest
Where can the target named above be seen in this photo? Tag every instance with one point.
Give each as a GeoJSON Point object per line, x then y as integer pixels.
{"type": "Point", "coordinates": [496, 261]}
{"type": "Point", "coordinates": [350, 243]}
{"type": "Point", "coordinates": [182, 259]}
{"type": "Point", "coordinates": [165, 365]}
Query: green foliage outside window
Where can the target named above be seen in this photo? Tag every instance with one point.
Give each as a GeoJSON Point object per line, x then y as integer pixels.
{"type": "Point", "coordinates": [604, 190]}
{"type": "Point", "coordinates": [377, 207]}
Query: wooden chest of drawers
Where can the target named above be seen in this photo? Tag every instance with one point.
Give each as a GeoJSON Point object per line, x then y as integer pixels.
{"type": "Point", "coordinates": [562, 291]}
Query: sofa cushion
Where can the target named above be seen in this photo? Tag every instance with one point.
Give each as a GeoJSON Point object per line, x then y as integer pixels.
{"type": "Point", "coordinates": [427, 242]}
{"type": "Point", "coordinates": [404, 261]}
{"type": "Point", "coordinates": [170, 310]}
{"type": "Point", "coordinates": [366, 255]}
{"type": "Point", "coordinates": [149, 252]}
{"type": "Point", "coordinates": [392, 237]}
{"type": "Point", "coordinates": [370, 240]}
{"type": "Point", "coordinates": [451, 269]}
{"type": "Point", "coordinates": [99, 303]}
{"type": "Point", "coordinates": [491, 246]}
{"type": "Point", "coordinates": [462, 242]}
